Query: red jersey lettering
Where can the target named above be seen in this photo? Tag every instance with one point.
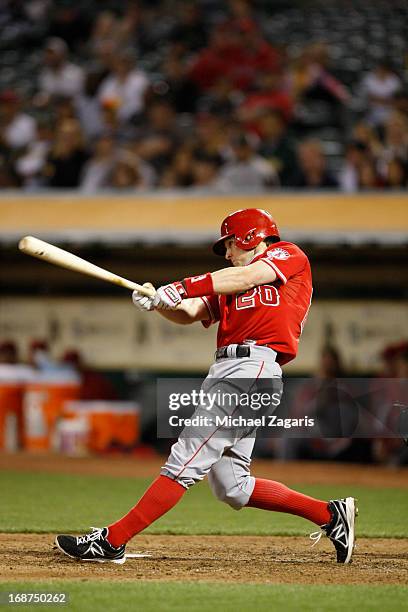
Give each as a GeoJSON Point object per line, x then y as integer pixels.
{"type": "Point", "coordinates": [270, 315]}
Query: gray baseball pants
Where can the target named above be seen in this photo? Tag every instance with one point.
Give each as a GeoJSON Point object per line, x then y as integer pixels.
{"type": "Point", "coordinates": [222, 454]}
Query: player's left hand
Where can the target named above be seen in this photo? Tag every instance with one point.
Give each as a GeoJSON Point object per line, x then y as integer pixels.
{"type": "Point", "coordinates": [168, 297]}
{"type": "Point", "coordinates": [141, 301]}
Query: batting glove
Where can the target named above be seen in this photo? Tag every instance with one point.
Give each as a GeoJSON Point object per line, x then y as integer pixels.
{"type": "Point", "coordinates": [169, 297]}
{"type": "Point", "coordinates": [142, 302]}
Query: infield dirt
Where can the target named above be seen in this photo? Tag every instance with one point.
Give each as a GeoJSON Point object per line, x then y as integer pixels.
{"type": "Point", "coordinates": [233, 559]}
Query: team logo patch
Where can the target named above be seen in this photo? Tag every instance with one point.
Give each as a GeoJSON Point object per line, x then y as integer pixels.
{"type": "Point", "coordinates": [278, 254]}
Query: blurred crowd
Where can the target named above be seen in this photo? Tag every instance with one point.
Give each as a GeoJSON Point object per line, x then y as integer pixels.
{"type": "Point", "coordinates": [94, 385]}
{"type": "Point", "coordinates": [224, 108]}
{"type": "Point", "coordinates": [359, 419]}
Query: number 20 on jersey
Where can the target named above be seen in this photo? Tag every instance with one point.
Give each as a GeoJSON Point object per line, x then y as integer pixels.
{"type": "Point", "coordinates": [267, 295]}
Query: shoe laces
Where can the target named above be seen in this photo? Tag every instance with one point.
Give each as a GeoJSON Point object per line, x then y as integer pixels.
{"type": "Point", "coordinates": [316, 535]}
{"type": "Point", "coordinates": [96, 534]}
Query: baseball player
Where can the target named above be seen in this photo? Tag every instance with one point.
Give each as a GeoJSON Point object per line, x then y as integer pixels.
{"type": "Point", "coordinates": [260, 303]}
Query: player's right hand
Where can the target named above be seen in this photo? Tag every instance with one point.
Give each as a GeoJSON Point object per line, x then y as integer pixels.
{"type": "Point", "coordinates": [142, 302]}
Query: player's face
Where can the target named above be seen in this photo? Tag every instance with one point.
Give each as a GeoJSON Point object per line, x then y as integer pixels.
{"type": "Point", "coordinates": [237, 256]}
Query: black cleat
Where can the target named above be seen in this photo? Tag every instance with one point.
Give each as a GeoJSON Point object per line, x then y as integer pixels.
{"type": "Point", "coordinates": [91, 547]}
{"type": "Point", "coordinates": [340, 530]}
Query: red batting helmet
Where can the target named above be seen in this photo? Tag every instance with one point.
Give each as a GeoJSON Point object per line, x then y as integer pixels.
{"type": "Point", "coordinates": [249, 227]}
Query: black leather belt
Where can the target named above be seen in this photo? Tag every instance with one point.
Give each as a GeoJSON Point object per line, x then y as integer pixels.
{"type": "Point", "coordinates": [240, 350]}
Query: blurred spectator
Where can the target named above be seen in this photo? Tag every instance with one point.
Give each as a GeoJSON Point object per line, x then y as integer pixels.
{"type": "Point", "coordinates": [112, 31]}
{"type": "Point", "coordinates": [387, 406]}
{"type": "Point", "coordinates": [67, 156]}
{"type": "Point", "coordinates": [189, 31]}
{"type": "Point", "coordinates": [247, 170]}
{"type": "Point", "coordinates": [211, 137]}
{"type": "Point", "coordinates": [220, 58]}
{"type": "Point", "coordinates": [205, 170]}
{"type": "Point", "coordinates": [359, 170]}
{"type": "Point", "coordinates": [59, 77]}
{"type": "Point", "coordinates": [276, 145]}
{"type": "Point", "coordinates": [389, 358]}
{"type": "Point", "coordinates": [270, 93]}
{"type": "Point", "coordinates": [30, 165]}
{"type": "Point", "coordinates": [240, 11]}
{"type": "Point", "coordinates": [70, 22]}
{"type": "Point", "coordinates": [400, 102]}
{"type": "Point", "coordinates": [88, 107]}
{"type": "Point", "coordinates": [330, 365]}
{"type": "Point", "coordinates": [312, 170]}
{"type": "Point", "coordinates": [111, 125]}
{"type": "Point", "coordinates": [126, 86]}
{"type": "Point", "coordinates": [325, 398]}
{"type": "Point", "coordinates": [40, 358]}
{"type": "Point", "coordinates": [133, 28]}
{"type": "Point", "coordinates": [94, 385]}
{"type": "Point", "coordinates": [401, 363]}
{"type": "Point", "coordinates": [396, 174]}
{"type": "Point", "coordinates": [103, 59]}
{"type": "Point", "coordinates": [349, 179]}
{"type": "Point", "coordinates": [8, 179]}
{"type": "Point", "coordinates": [37, 350]}
{"type": "Point", "coordinates": [378, 88]}
{"type": "Point", "coordinates": [17, 129]}
{"type": "Point", "coordinates": [9, 352]}
{"type": "Point", "coordinates": [177, 87]}
{"type": "Point", "coordinates": [129, 172]}
{"type": "Point", "coordinates": [63, 108]}
{"type": "Point", "coordinates": [366, 135]}
{"type": "Point", "coordinates": [256, 55]}
{"type": "Point", "coordinates": [221, 99]}
{"type": "Point", "coordinates": [158, 138]}
{"type": "Point", "coordinates": [180, 171]}
{"type": "Point", "coordinates": [310, 77]}
{"type": "Point", "coordinates": [369, 178]}
{"type": "Point", "coordinates": [36, 10]}
{"type": "Point", "coordinates": [105, 30]}
{"type": "Point", "coordinates": [396, 137]}
{"type": "Point", "coordinates": [392, 160]}
{"type": "Point", "coordinates": [240, 53]}
{"type": "Point", "coordinates": [98, 168]}
{"type": "Point", "coordinates": [219, 69]}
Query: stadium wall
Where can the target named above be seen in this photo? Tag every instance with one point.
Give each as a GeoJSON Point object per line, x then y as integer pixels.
{"type": "Point", "coordinates": [148, 343]}
{"type": "Point", "coordinates": [190, 217]}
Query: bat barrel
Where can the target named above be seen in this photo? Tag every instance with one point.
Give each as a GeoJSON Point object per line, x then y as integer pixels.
{"type": "Point", "coordinates": [48, 252]}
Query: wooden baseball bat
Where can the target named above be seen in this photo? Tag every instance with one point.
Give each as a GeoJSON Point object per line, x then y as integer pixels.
{"type": "Point", "coordinates": [43, 250]}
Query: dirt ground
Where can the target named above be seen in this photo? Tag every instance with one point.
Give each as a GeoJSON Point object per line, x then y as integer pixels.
{"type": "Point", "coordinates": [212, 558]}
{"type": "Point", "coordinates": [256, 559]}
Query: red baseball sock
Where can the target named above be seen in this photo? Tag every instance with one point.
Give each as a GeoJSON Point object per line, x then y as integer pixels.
{"type": "Point", "coordinates": [271, 495]}
{"type": "Point", "coordinates": [160, 497]}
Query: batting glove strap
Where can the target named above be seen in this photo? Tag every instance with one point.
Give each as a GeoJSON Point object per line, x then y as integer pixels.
{"type": "Point", "coordinates": [198, 286]}
{"type": "Point", "coordinates": [169, 296]}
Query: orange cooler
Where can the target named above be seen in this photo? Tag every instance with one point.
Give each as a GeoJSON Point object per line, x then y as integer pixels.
{"type": "Point", "coordinates": [112, 424]}
{"type": "Point", "coordinates": [42, 406]}
{"type": "Point", "coordinates": [13, 379]}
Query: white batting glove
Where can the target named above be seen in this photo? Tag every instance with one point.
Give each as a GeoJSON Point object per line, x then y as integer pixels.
{"type": "Point", "coordinates": [142, 302]}
{"type": "Point", "coordinates": [168, 297]}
